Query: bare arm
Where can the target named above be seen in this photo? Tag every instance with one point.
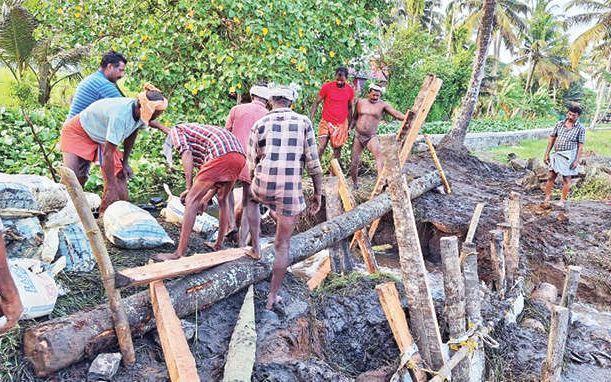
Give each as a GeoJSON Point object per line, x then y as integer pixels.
{"type": "Point", "coordinates": [355, 115]}
{"type": "Point", "coordinates": [158, 125]}
{"type": "Point", "coordinates": [395, 113]}
{"type": "Point", "coordinates": [550, 144]}
{"type": "Point", "coordinates": [578, 156]}
{"type": "Point", "coordinates": [315, 106]}
{"type": "Point", "coordinates": [10, 304]}
{"type": "Point", "coordinates": [128, 145]}
{"type": "Point", "coordinates": [350, 111]}
{"type": "Point", "coordinates": [108, 165]}
{"type": "Point", "coordinates": [187, 165]}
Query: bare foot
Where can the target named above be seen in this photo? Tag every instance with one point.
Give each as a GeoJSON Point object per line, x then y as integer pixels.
{"type": "Point", "coordinates": [271, 301]}
{"type": "Point", "coordinates": [253, 252]}
{"type": "Point", "coordinates": [213, 246]}
{"type": "Point", "coordinates": [166, 256]}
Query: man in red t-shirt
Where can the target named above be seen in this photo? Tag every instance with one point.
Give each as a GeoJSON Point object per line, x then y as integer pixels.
{"type": "Point", "coordinates": [336, 112]}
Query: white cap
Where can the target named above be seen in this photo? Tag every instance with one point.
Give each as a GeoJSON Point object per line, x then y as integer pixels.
{"type": "Point", "coordinates": [288, 92]}
{"type": "Point", "coordinates": [260, 91]}
{"type": "Point", "coordinates": [376, 88]}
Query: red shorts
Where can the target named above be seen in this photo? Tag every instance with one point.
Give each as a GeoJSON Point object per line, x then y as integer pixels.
{"type": "Point", "coordinates": [337, 133]}
{"type": "Point", "coordinates": [225, 168]}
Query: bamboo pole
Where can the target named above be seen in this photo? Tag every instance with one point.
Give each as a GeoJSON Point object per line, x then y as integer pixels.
{"type": "Point", "coordinates": [442, 174]}
{"type": "Point", "coordinates": [454, 288]}
{"type": "Point", "coordinates": [422, 311]}
{"type": "Point", "coordinates": [107, 272]}
{"type": "Point", "coordinates": [497, 258]}
{"type": "Point", "coordinates": [558, 332]}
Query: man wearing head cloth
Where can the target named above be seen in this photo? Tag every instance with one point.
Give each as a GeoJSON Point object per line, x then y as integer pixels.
{"type": "Point", "coordinates": [281, 145]}
{"type": "Point", "coordinates": [95, 134]}
{"type": "Point", "coordinates": [240, 121]}
{"type": "Point", "coordinates": [218, 155]}
{"type": "Point", "coordinates": [367, 116]}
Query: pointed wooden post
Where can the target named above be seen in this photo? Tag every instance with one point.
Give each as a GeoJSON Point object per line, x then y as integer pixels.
{"type": "Point", "coordinates": [497, 258]}
{"type": "Point", "coordinates": [454, 288]}
{"type": "Point", "coordinates": [510, 261]}
{"type": "Point", "coordinates": [571, 282]}
{"type": "Point", "coordinates": [552, 366]}
{"type": "Point", "coordinates": [422, 311]}
{"type": "Point", "coordinates": [513, 208]}
{"type": "Point", "coordinates": [472, 296]}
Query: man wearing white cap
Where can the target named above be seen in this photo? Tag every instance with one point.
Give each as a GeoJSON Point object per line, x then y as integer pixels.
{"type": "Point", "coordinates": [240, 121]}
{"type": "Point", "coordinates": [281, 144]}
{"type": "Point", "coordinates": [367, 116]}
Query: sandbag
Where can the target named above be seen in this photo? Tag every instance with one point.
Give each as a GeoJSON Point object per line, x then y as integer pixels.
{"type": "Point", "coordinates": [174, 212]}
{"type": "Point", "coordinates": [68, 214]}
{"type": "Point", "coordinates": [74, 247]}
{"type": "Point", "coordinates": [50, 196]}
{"type": "Point", "coordinates": [37, 289]}
{"type": "Point", "coordinates": [131, 227]}
{"type": "Point", "coordinates": [23, 237]}
{"type": "Point", "coordinates": [16, 196]}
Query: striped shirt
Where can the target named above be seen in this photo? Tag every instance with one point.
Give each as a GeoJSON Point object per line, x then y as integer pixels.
{"type": "Point", "coordinates": [568, 138]}
{"type": "Point", "coordinates": [205, 142]}
{"type": "Point", "coordinates": [281, 144]}
{"type": "Point", "coordinates": [94, 87]}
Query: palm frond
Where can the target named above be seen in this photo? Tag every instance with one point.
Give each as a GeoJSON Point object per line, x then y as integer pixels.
{"type": "Point", "coordinates": [17, 26]}
{"type": "Point", "coordinates": [595, 33]}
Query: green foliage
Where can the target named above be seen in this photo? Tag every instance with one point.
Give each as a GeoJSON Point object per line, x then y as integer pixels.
{"type": "Point", "coordinates": [593, 188]}
{"type": "Point", "coordinates": [16, 41]}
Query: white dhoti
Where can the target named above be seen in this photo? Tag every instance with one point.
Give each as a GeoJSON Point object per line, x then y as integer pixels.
{"type": "Point", "coordinates": [560, 162]}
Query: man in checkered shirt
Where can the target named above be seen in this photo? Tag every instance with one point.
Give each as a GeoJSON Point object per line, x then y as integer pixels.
{"type": "Point", "coordinates": [281, 144]}
{"type": "Point", "coordinates": [567, 139]}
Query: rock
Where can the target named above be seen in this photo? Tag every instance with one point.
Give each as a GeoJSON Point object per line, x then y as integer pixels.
{"type": "Point", "coordinates": [519, 164]}
{"type": "Point", "coordinates": [546, 292]}
{"type": "Point", "coordinates": [535, 165]}
{"type": "Point", "coordinates": [420, 147]}
{"type": "Point", "coordinates": [187, 327]}
{"type": "Point", "coordinates": [533, 324]}
{"type": "Point", "coordinates": [382, 374]}
{"type": "Point", "coordinates": [104, 367]}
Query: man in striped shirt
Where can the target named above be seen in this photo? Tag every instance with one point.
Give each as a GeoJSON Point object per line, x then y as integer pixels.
{"type": "Point", "coordinates": [220, 159]}
{"type": "Point", "coordinates": [99, 85]}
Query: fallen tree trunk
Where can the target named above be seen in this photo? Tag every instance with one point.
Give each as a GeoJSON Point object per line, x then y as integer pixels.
{"type": "Point", "coordinates": [58, 343]}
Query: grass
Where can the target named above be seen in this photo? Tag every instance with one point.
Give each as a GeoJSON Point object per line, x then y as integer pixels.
{"type": "Point", "coordinates": [598, 142]}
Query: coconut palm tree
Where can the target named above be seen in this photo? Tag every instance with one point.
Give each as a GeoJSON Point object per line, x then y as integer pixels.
{"type": "Point", "coordinates": [597, 12]}
{"type": "Point", "coordinates": [601, 72]}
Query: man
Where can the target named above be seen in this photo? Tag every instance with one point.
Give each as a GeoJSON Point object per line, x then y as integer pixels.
{"type": "Point", "coordinates": [368, 115]}
{"type": "Point", "coordinates": [336, 113]}
{"type": "Point", "coordinates": [567, 139]}
{"type": "Point", "coordinates": [281, 144]}
{"type": "Point", "coordinates": [240, 121]}
{"type": "Point", "coordinates": [101, 84]}
{"type": "Point", "coordinates": [220, 159]}
{"type": "Point", "coordinates": [95, 134]}
{"type": "Point", "coordinates": [10, 304]}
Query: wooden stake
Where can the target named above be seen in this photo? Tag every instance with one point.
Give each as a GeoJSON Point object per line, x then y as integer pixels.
{"type": "Point", "coordinates": [334, 209]}
{"type": "Point", "coordinates": [558, 332]}
{"type": "Point", "coordinates": [497, 258]}
{"type": "Point", "coordinates": [454, 288]}
{"type": "Point", "coordinates": [474, 221]}
{"type": "Point", "coordinates": [509, 259]}
{"type": "Point", "coordinates": [444, 180]}
{"type": "Point", "coordinates": [391, 304]}
{"type": "Point", "coordinates": [176, 352]}
{"type": "Point", "coordinates": [321, 274]}
{"type": "Point", "coordinates": [107, 272]}
{"type": "Point", "coordinates": [174, 268]}
{"type": "Point", "coordinates": [422, 311]}
{"type": "Point", "coordinates": [571, 282]}
{"type": "Point", "coordinates": [240, 358]}
{"type": "Point", "coordinates": [349, 203]}
{"type": "Point", "coordinates": [472, 296]}
{"type": "Point", "coordinates": [514, 207]}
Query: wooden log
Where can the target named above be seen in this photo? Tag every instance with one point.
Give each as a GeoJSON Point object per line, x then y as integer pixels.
{"type": "Point", "coordinates": [321, 274]}
{"type": "Point", "coordinates": [349, 203]}
{"type": "Point", "coordinates": [175, 268]}
{"type": "Point", "coordinates": [558, 332]}
{"type": "Point", "coordinates": [334, 209]}
{"type": "Point", "coordinates": [240, 358]}
{"type": "Point", "coordinates": [391, 305]}
{"type": "Point", "coordinates": [408, 121]}
{"type": "Point", "coordinates": [497, 259]}
{"type": "Point", "coordinates": [477, 213]}
{"type": "Point", "coordinates": [472, 295]}
{"type": "Point", "coordinates": [454, 288]}
{"type": "Point", "coordinates": [107, 272]}
{"type": "Point", "coordinates": [57, 343]}
{"type": "Point", "coordinates": [422, 311]}
{"type": "Point", "coordinates": [514, 207]}
{"type": "Point", "coordinates": [176, 352]}
{"type": "Point", "coordinates": [569, 291]}
{"type": "Point", "coordinates": [437, 163]}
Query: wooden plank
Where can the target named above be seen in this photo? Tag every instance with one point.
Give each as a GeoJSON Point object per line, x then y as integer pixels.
{"type": "Point", "coordinates": [552, 366]}
{"type": "Point", "coordinates": [497, 259]}
{"type": "Point", "coordinates": [321, 274]}
{"type": "Point", "coordinates": [179, 267]}
{"type": "Point", "coordinates": [423, 318]}
{"type": "Point", "coordinates": [514, 207]}
{"type": "Point", "coordinates": [349, 203]}
{"type": "Point", "coordinates": [176, 352]}
{"type": "Point", "coordinates": [391, 305]}
{"type": "Point", "coordinates": [472, 295]}
{"type": "Point", "coordinates": [454, 288]}
{"type": "Point", "coordinates": [437, 163]}
{"type": "Point", "coordinates": [242, 349]}
{"type": "Point", "coordinates": [477, 213]}
{"type": "Point", "coordinates": [408, 121]}
{"type": "Point", "coordinates": [571, 282]}
{"type": "Point", "coordinates": [107, 271]}
{"type": "Point", "coordinates": [339, 252]}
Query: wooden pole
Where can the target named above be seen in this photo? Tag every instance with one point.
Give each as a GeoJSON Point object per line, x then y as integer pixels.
{"type": "Point", "coordinates": [558, 332]}
{"type": "Point", "coordinates": [442, 174]}
{"type": "Point", "coordinates": [361, 235]}
{"type": "Point", "coordinates": [334, 209]}
{"type": "Point", "coordinates": [514, 207]}
{"type": "Point", "coordinates": [391, 304]}
{"type": "Point", "coordinates": [408, 121]}
{"type": "Point", "coordinates": [422, 311]}
{"type": "Point", "coordinates": [472, 296]}
{"type": "Point", "coordinates": [242, 349]}
{"type": "Point", "coordinates": [454, 288]}
{"type": "Point", "coordinates": [510, 261]}
{"type": "Point", "coordinates": [497, 258]}
{"type": "Point", "coordinates": [107, 272]}
{"type": "Point", "coordinates": [477, 213]}
{"type": "Point", "coordinates": [571, 282]}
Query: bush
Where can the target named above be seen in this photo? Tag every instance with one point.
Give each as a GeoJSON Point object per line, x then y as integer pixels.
{"type": "Point", "coordinates": [483, 125]}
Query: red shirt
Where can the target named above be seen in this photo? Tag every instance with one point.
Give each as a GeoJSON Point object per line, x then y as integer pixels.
{"type": "Point", "coordinates": [335, 106]}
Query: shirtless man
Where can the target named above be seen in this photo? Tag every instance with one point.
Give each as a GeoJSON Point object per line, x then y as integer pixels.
{"type": "Point", "coordinates": [368, 114]}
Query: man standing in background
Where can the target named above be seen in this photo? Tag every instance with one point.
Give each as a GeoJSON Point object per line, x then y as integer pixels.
{"type": "Point", "coordinates": [336, 113]}
{"type": "Point", "coordinates": [99, 85]}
